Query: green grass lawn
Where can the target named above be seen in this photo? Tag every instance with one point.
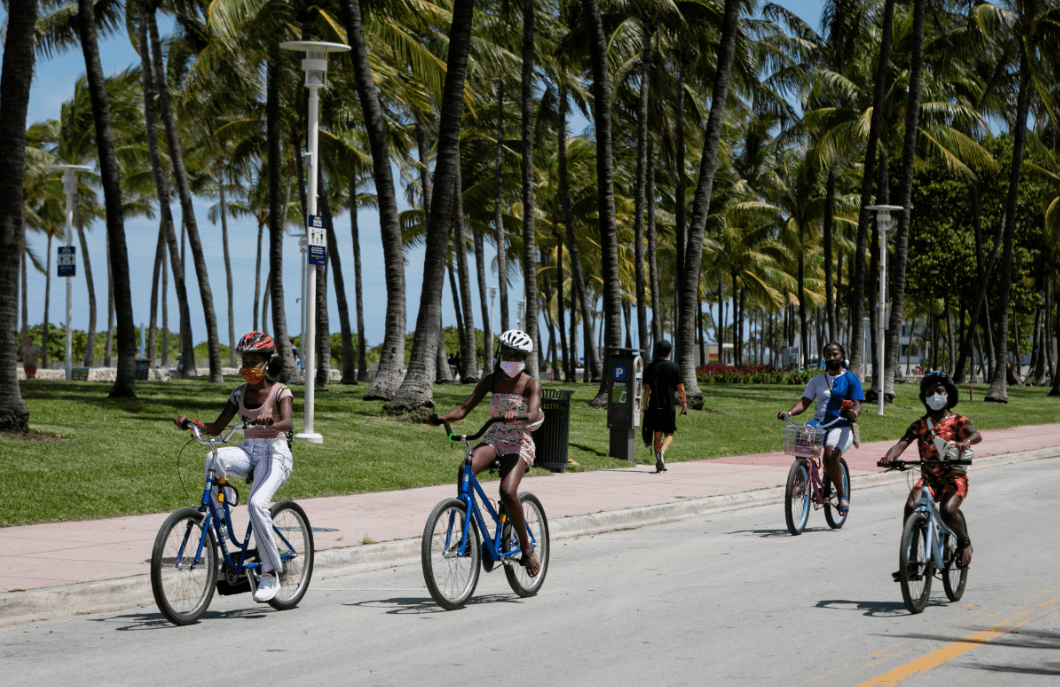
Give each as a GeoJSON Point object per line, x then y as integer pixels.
{"type": "Point", "coordinates": [92, 457]}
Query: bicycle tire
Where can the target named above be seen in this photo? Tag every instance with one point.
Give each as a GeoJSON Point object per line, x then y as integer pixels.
{"type": "Point", "coordinates": [915, 567]}
{"type": "Point", "coordinates": [797, 497]}
{"type": "Point", "coordinates": [954, 577]}
{"type": "Point", "coordinates": [183, 592]}
{"type": "Point", "coordinates": [450, 578]}
{"type": "Point", "coordinates": [290, 520]}
{"type": "Point", "coordinates": [835, 520]}
{"type": "Point", "coordinates": [518, 576]}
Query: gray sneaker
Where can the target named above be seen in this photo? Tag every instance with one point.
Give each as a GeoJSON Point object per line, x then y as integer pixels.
{"type": "Point", "coordinates": [660, 462]}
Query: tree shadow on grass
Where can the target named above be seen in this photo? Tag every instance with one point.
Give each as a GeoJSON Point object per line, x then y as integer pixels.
{"type": "Point", "coordinates": [590, 449]}
{"type": "Point", "coordinates": [425, 606]}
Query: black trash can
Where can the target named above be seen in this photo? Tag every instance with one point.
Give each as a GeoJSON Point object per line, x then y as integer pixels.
{"type": "Point", "coordinates": [550, 439]}
{"type": "Point", "coordinates": [143, 369]}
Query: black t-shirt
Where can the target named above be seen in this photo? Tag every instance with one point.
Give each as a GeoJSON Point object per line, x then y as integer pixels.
{"type": "Point", "coordinates": [663, 377]}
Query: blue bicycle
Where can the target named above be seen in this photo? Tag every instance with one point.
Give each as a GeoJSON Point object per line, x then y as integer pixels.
{"type": "Point", "coordinates": [453, 551]}
{"type": "Point", "coordinates": [928, 546]}
{"type": "Point", "coordinates": [184, 561]}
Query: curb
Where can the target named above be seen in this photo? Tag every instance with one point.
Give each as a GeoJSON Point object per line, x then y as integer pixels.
{"type": "Point", "coordinates": [53, 603]}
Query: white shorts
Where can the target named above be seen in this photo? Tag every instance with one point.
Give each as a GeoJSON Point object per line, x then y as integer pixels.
{"type": "Point", "coordinates": [840, 437]}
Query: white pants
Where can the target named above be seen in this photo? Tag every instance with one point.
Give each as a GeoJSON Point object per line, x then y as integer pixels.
{"type": "Point", "coordinates": [270, 462]}
{"type": "Point", "coordinates": [840, 437]}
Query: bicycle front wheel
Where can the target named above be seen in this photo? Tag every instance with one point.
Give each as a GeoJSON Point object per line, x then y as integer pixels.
{"type": "Point", "coordinates": [797, 497]}
{"type": "Point", "coordinates": [954, 577]}
{"type": "Point", "coordinates": [537, 531]}
{"type": "Point", "coordinates": [181, 586]}
{"type": "Point", "coordinates": [294, 540]}
{"type": "Point", "coordinates": [831, 514]}
{"type": "Point", "coordinates": [451, 576]}
{"type": "Point", "coordinates": [915, 568]}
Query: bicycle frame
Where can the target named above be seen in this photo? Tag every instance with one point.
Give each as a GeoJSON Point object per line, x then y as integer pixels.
{"type": "Point", "coordinates": [219, 523]}
{"type": "Point", "coordinates": [937, 529]}
{"type": "Point", "coordinates": [814, 467]}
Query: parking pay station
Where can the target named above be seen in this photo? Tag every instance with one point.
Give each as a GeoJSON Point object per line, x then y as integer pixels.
{"type": "Point", "coordinates": [625, 376]}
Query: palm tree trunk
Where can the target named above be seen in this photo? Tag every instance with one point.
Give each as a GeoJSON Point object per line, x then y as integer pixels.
{"type": "Point", "coordinates": [349, 360]}
{"type": "Point", "coordinates": [568, 373]}
{"type": "Point", "coordinates": [857, 306]}
{"type": "Point", "coordinates": [529, 230]}
{"type": "Point", "coordinates": [639, 192]}
{"type": "Point", "coordinates": [228, 263]}
{"type": "Point", "coordinates": [257, 276]}
{"type": "Point", "coordinates": [152, 331]}
{"type": "Point", "coordinates": [905, 198]}
{"type": "Point", "coordinates": [708, 163]}
{"type": "Point", "coordinates": [47, 302]}
{"type": "Point", "coordinates": [25, 283]}
{"type": "Point", "coordinates": [653, 260]}
{"type": "Point", "coordinates": [498, 216]}
{"type": "Point", "coordinates": [265, 303]}
{"type": "Point", "coordinates": [90, 286]}
{"type": "Point", "coordinates": [883, 196]}
{"type": "Point", "coordinates": [803, 333]}
{"type": "Point", "coordinates": [125, 380]}
{"type": "Point", "coordinates": [605, 188]}
{"type": "Point", "coordinates": [323, 329]}
{"type": "Point", "coordinates": [176, 156]}
{"type": "Point", "coordinates": [829, 211]}
{"type": "Point", "coordinates": [362, 345]}
{"type": "Point", "coordinates": [392, 357]}
{"type": "Point", "coordinates": [108, 348]}
{"type": "Point", "coordinates": [454, 290]}
{"type": "Point", "coordinates": [416, 390]}
{"type": "Point", "coordinates": [160, 177]}
{"type": "Point", "coordinates": [287, 372]}
{"type": "Point", "coordinates": [487, 326]}
{"type": "Point", "coordinates": [998, 392]}
{"type": "Point", "coordinates": [470, 352]}
{"type": "Point", "coordinates": [592, 360]}
{"type": "Point", "coordinates": [15, 80]}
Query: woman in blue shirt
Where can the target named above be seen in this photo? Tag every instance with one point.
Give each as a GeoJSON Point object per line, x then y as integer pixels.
{"type": "Point", "coordinates": [836, 393]}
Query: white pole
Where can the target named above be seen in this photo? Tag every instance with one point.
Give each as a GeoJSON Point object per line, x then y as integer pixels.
{"type": "Point", "coordinates": [309, 343]}
{"type": "Point", "coordinates": [885, 224]}
{"type": "Point", "coordinates": [70, 186]}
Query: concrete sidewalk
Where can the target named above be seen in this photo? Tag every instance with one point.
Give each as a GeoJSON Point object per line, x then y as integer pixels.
{"type": "Point", "coordinates": [57, 560]}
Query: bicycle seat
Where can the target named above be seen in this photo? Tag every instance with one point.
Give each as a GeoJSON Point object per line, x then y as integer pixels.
{"type": "Point", "coordinates": [495, 466]}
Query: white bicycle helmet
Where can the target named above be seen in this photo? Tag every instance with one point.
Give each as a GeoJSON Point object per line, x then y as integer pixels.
{"type": "Point", "coordinates": [517, 340]}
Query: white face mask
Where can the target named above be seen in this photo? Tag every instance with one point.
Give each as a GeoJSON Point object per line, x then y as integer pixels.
{"type": "Point", "coordinates": [937, 402]}
{"type": "Point", "coordinates": [512, 368]}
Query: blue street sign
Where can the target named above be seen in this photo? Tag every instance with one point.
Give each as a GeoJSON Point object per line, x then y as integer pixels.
{"type": "Point", "coordinates": [317, 238]}
{"type": "Point", "coordinates": [618, 372]}
{"type": "Point", "coordinates": [67, 261]}
{"type": "Point", "coordinates": [318, 255]}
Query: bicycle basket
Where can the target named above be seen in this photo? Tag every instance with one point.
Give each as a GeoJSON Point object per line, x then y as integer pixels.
{"type": "Point", "coordinates": [803, 441]}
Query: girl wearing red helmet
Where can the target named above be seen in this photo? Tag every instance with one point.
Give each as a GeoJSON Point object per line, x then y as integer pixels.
{"type": "Point", "coordinates": [263, 453]}
{"type": "Point", "coordinates": [514, 393]}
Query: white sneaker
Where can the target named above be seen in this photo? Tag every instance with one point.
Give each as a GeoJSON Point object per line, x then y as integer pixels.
{"type": "Point", "coordinates": [268, 585]}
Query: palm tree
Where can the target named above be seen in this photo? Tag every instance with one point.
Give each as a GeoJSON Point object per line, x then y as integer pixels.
{"type": "Point", "coordinates": [125, 381]}
{"type": "Point", "coordinates": [469, 354]}
{"type": "Point", "coordinates": [416, 389]}
{"type": "Point", "coordinates": [176, 156]}
{"type": "Point", "coordinates": [529, 229]}
{"type": "Point", "coordinates": [15, 80]}
{"type": "Point", "coordinates": [605, 185]}
{"type": "Point", "coordinates": [689, 287]}
{"type": "Point", "coordinates": [389, 374]}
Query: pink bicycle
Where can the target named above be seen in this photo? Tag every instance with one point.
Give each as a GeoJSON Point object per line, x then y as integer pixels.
{"type": "Point", "coordinates": [805, 483]}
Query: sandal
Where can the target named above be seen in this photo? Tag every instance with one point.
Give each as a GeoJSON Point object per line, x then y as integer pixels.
{"type": "Point", "coordinates": [527, 555]}
{"type": "Point", "coordinates": [843, 510]}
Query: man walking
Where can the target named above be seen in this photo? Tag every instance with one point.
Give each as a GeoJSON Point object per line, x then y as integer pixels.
{"type": "Point", "coordinates": [30, 357]}
{"type": "Point", "coordinates": [662, 379]}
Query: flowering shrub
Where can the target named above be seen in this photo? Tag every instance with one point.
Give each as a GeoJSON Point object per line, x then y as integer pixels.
{"type": "Point", "coordinates": [715, 373]}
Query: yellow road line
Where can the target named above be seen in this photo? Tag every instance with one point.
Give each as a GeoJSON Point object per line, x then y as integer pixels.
{"type": "Point", "coordinates": [951, 651]}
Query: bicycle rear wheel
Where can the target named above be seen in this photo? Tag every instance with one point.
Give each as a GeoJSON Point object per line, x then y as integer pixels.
{"type": "Point", "coordinates": [954, 577]}
{"type": "Point", "coordinates": [183, 588]}
{"type": "Point", "coordinates": [915, 567]}
{"type": "Point", "coordinates": [451, 577]}
{"type": "Point", "coordinates": [835, 520]}
{"type": "Point", "coordinates": [294, 539]}
{"type": "Point", "coordinates": [537, 528]}
{"type": "Point", "coordinates": [797, 497]}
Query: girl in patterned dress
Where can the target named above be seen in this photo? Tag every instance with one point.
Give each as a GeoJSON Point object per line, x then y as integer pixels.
{"type": "Point", "coordinates": [514, 393]}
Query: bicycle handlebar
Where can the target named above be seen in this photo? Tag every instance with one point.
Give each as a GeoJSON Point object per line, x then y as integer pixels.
{"type": "Point", "coordinates": [470, 437]}
{"type": "Point", "coordinates": [823, 426]}
{"type": "Point", "coordinates": [906, 464]}
{"type": "Point", "coordinates": [222, 438]}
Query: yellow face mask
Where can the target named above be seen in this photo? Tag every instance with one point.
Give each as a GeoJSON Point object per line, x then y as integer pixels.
{"type": "Point", "coordinates": [253, 375]}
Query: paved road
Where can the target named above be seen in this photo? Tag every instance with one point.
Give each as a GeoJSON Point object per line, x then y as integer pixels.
{"type": "Point", "coordinates": [729, 597]}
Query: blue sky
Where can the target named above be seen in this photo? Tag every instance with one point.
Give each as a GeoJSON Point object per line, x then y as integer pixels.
{"type": "Point", "coordinates": [53, 84]}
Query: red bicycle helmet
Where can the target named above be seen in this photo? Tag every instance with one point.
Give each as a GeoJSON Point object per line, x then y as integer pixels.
{"type": "Point", "coordinates": [256, 342]}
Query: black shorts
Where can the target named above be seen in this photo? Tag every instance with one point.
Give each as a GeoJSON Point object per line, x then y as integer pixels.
{"type": "Point", "coordinates": [662, 420]}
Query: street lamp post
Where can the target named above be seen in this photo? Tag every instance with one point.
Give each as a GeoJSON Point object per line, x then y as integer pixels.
{"type": "Point", "coordinates": [315, 66]}
{"type": "Point", "coordinates": [67, 264]}
{"type": "Point", "coordinates": [883, 221]}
